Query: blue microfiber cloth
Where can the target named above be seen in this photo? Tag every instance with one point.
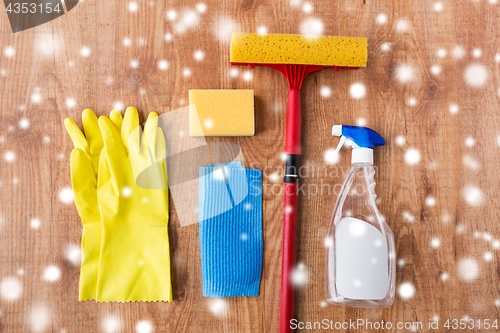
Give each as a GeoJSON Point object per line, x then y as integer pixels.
{"type": "Point", "coordinates": [230, 230]}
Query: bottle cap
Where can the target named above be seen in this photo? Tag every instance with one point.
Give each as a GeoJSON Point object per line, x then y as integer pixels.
{"type": "Point", "coordinates": [363, 140]}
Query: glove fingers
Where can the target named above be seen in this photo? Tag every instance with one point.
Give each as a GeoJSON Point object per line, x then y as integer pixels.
{"type": "Point", "coordinates": [116, 118]}
{"type": "Point", "coordinates": [84, 185]}
{"type": "Point", "coordinates": [160, 145]}
{"type": "Point", "coordinates": [104, 173]}
{"type": "Point", "coordinates": [149, 136]}
{"type": "Point", "coordinates": [115, 150]}
{"type": "Point", "coordinates": [79, 140]}
{"type": "Point", "coordinates": [161, 156]}
{"type": "Point", "coordinates": [130, 131]}
{"type": "Point", "coordinates": [92, 131]}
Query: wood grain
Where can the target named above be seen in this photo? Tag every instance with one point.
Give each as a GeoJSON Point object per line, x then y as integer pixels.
{"type": "Point", "coordinates": [422, 202]}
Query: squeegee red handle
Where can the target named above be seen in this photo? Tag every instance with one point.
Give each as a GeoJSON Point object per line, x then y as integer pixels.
{"type": "Point", "coordinates": [293, 123]}
{"type": "Point", "coordinates": [292, 148]}
{"type": "Point", "coordinates": [288, 256]}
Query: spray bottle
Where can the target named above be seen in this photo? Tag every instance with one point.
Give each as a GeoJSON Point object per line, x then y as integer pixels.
{"type": "Point", "coordinates": [360, 256]}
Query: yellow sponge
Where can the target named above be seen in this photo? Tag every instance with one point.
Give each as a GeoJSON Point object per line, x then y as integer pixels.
{"type": "Point", "coordinates": [298, 49]}
{"type": "Point", "coordinates": [221, 112]}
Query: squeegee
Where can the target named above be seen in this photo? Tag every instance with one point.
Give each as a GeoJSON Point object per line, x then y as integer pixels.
{"type": "Point", "coordinates": [295, 56]}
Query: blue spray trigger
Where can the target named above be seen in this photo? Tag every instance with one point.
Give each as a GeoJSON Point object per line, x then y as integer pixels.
{"type": "Point", "coordinates": [362, 136]}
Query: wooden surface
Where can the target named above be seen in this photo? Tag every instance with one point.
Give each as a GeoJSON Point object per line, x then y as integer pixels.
{"type": "Point", "coordinates": [447, 198]}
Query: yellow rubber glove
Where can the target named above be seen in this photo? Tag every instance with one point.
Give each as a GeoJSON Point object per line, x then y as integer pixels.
{"type": "Point", "coordinates": [84, 164]}
{"type": "Point", "coordinates": [134, 258]}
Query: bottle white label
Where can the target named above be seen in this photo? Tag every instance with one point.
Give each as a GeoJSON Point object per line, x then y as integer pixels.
{"type": "Point", "coordinates": [361, 260]}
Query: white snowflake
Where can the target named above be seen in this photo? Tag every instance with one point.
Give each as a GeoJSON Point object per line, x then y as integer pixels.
{"type": "Point", "coordinates": [331, 157]}
{"type": "Point", "coordinates": [73, 254]}
{"type": "Point", "coordinates": [325, 91]}
{"type": "Point", "coordinates": [412, 156]}
{"type": "Point", "coordinates": [40, 319]}
{"type": "Point", "coordinates": [300, 275]}
{"type": "Point", "coordinates": [453, 108]}
{"type": "Point", "coordinates": [381, 18]}
{"type": "Point", "coordinates": [126, 41]}
{"type": "Point", "coordinates": [134, 63]}
{"type": "Point", "coordinates": [234, 72]}
{"type": "Point", "coordinates": [111, 324]}
{"type": "Point", "coordinates": [473, 196]}
{"type": "Point", "coordinates": [163, 65]}
{"type": "Point", "coordinates": [307, 7]}
{"type": "Point", "coordinates": [458, 52]}
{"type": "Point", "coordinates": [477, 53]}
{"type": "Point", "coordinates": [404, 73]}
{"type": "Point", "coordinates": [402, 25]}
{"type": "Point", "coordinates": [400, 140]}
{"type": "Point", "coordinates": [36, 98]}
{"type": "Point", "coordinates": [361, 122]}
{"type": "Point", "coordinates": [406, 290]}
{"type": "Point", "coordinates": [435, 70]}
{"type": "Point", "coordinates": [218, 306]}
{"type": "Point", "coordinates": [52, 273]}
{"type": "Point", "coordinates": [9, 156]}
{"type": "Point", "coordinates": [66, 195]}
{"type": "Point", "coordinates": [311, 27]}
{"type": "Point", "coordinates": [171, 15]}
{"type": "Point", "coordinates": [357, 90]}
{"type": "Point", "coordinates": [468, 269]}
{"type": "Point", "coordinates": [201, 7]}
{"type": "Point", "coordinates": [133, 6]}
{"type": "Point", "coordinates": [188, 20]}
{"type": "Point", "coordinates": [435, 242]}
{"type": "Point", "coordinates": [274, 177]}
{"type": "Point", "coordinates": [85, 51]}
{"type": "Point", "coordinates": [35, 223]}
{"type": "Point", "coordinates": [470, 162]}
{"type": "Point", "coordinates": [144, 326]}
{"type": "Point", "coordinates": [470, 142]}
{"type": "Point", "coordinates": [11, 288]}
{"type": "Point", "coordinates": [198, 55]}
{"type": "Point", "coordinates": [118, 106]}
{"type": "Point", "coordinates": [438, 6]}
{"type": "Point", "coordinates": [126, 192]}
{"type": "Point", "coordinates": [247, 76]}
{"type": "Point", "coordinates": [225, 28]}
{"type": "Point", "coordinates": [475, 75]}
{"type": "Point", "coordinates": [70, 102]}
{"type": "Point", "coordinates": [9, 51]}
{"type": "Point", "coordinates": [24, 123]}
{"type": "Point", "coordinates": [262, 30]}
{"type": "Point", "coordinates": [430, 201]}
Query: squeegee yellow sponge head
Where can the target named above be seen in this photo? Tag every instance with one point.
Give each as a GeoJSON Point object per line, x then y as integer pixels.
{"type": "Point", "coordinates": [298, 49]}
{"type": "Point", "coordinates": [221, 112]}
